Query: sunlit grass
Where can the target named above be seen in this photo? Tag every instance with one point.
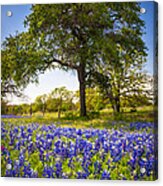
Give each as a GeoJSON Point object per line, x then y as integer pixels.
{"type": "Point", "coordinates": [103, 119]}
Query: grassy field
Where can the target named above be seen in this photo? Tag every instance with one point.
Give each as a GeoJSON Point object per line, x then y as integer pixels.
{"type": "Point", "coordinates": [104, 119]}
{"type": "Point", "coordinates": [101, 146]}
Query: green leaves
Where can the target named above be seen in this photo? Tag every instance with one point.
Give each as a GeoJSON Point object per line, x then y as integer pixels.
{"type": "Point", "coordinates": [104, 38]}
{"type": "Point", "coordinates": [36, 164]}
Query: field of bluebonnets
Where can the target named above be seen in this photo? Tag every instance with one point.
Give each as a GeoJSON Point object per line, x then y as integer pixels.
{"type": "Point", "coordinates": [104, 47]}
{"type": "Point", "coordinates": [119, 150]}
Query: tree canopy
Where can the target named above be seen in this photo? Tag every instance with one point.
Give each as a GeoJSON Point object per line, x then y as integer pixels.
{"type": "Point", "coordinates": [84, 37]}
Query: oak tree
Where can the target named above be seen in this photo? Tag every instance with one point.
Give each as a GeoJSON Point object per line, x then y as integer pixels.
{"type": "Point", "coordinates": [77, 37]}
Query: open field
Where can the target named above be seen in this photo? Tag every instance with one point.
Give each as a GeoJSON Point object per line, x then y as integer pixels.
{"type": "Point", "coordinates": [103, 119]}
{"type": "Point", "coordinates": [102, 147]}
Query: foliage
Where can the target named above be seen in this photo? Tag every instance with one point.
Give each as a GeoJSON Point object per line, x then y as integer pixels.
{"type": "Point", "coordinates": [38, 150]}
{"type": "Point", "coordinates": [8, 83]}
{"type": "Point", "coordinates": [40, 103]}
{"type": "Point", "coordinates": [94, 99]}
{"type": "Point", "coordinates": [62, 95]}
{"type": "Point", "coordinates": [80, 37]}
{"type": "Point", "coordinates": [120, 73]}
{"type": "Point", "coordinates": [3, 106]}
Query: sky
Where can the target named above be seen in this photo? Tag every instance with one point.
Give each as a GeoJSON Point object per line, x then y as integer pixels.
{"type": "Point", "coordinates": [52, 79]}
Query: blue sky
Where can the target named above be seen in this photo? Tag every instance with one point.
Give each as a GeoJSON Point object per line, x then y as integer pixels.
{"type": "Point", "coordinates": [57, 78]}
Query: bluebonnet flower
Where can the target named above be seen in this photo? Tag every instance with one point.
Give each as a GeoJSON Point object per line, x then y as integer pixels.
{"type": "Point", "coordinates": [105, 175]}
{"type": "Point", "coordinates": [56, 145]}
{"type": "Point", "coordinates": [48, 172]}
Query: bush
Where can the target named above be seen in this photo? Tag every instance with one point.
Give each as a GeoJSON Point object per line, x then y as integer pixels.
{"type": "Point", "coordinates": [93, 114]}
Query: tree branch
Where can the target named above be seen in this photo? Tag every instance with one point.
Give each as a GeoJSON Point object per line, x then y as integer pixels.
{"type": "Point", "coordinates": [55, 60]}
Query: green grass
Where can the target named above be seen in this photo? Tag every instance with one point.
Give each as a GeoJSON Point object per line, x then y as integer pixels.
{"type": "Point", "coordinates": [103, 119]}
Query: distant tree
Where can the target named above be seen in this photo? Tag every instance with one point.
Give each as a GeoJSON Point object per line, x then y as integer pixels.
{"type": "Point", "coordinates": [73, 36]}
{"type": "Point", "coordinates": [61, 95]}
{"type": "Point", "coordinates": [133, 89]}
{"type": "Point", "coordinates": [4, 107]}
{"type": "Point", "coordinates": [14, 109]}
{"type": "Point", "coordinates": [51, 104]}
{"type": "Point", "coordinates": [40, 103]}
{"type": "Point", "coordinates": [26, 108]}
{"type": "Point", "coordinates": [94, 101]}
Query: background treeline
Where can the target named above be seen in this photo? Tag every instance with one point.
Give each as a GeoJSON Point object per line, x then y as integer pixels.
{"type": "Point", "coordinates": [62, 100]}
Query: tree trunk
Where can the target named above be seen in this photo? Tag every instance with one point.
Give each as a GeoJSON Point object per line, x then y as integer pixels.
{"type": "Point", "coordinates": [43, 110]}
{"type": "Point", "coordinates": [81, 78]}
{"type": "Point", "coordinates": [116, 104]}
{"type": "Point", "coordinates": [117, 100]}
{"type": "Point", "coordinates": [30, 110]}
{"type": "Point", "coordinates": [116, 107]}
{"type": "Point", "coordinates": [59, 108]}
{"type": "Point", "coordinates": [59, 112]}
